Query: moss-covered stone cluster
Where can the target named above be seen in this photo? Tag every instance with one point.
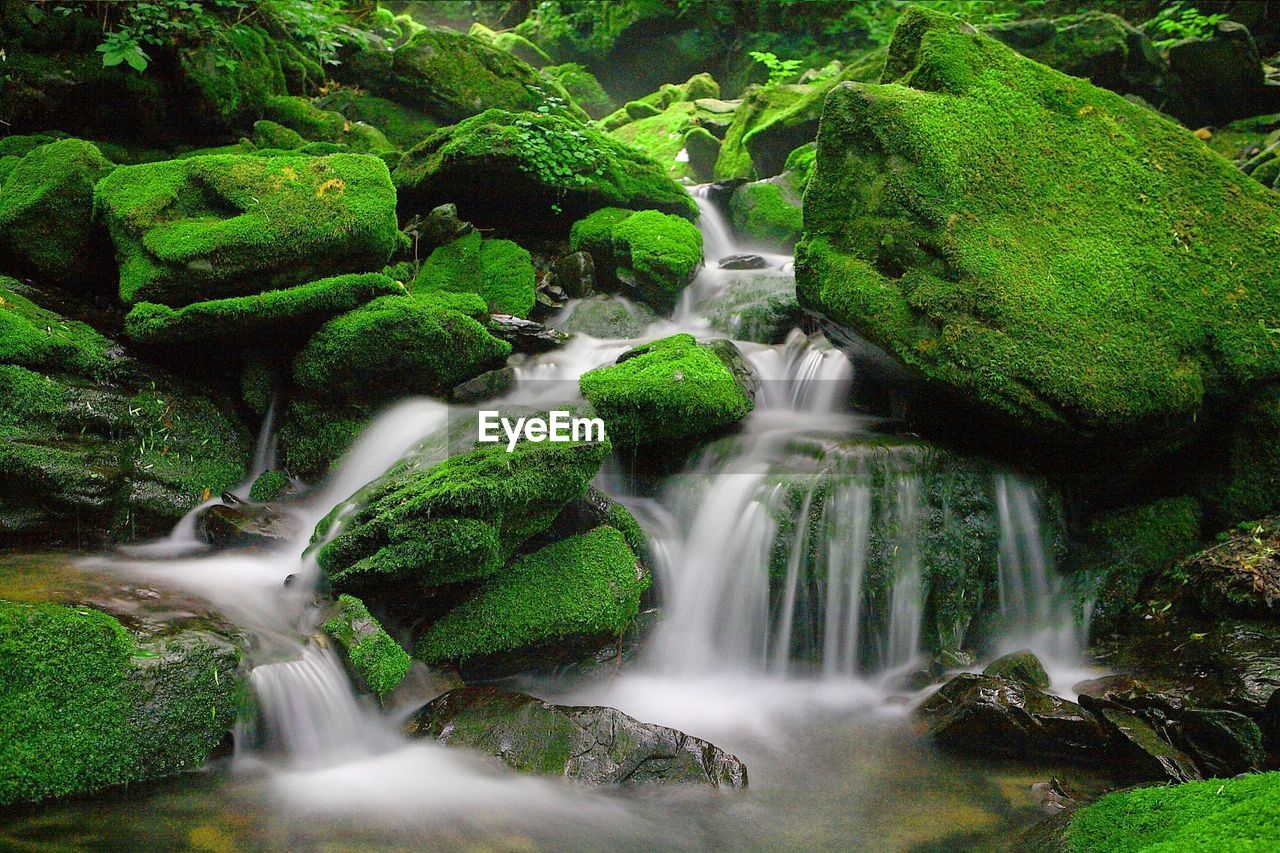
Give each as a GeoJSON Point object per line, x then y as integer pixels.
{"type": "Point", "coordinates": [87, 705]}
{"type": "Point", "coordinates": [649, 255]}
{"type": "Point", "coordinates": [500, 272]}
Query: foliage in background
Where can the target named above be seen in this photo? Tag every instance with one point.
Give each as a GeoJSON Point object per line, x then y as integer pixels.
{"type": "Point", "coordinates": [780, 70]}
{"type": "Point", "coordinates": [1177, 21]}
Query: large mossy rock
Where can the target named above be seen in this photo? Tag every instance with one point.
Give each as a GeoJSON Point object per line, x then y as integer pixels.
{"type": "Point", "coordinates": [456, 520]}
{"type": "Point", "coordinates": [768, 213]}
{"type": "Point", "coordinates": [673, 391]}
{"type": "Point", "coordinates": [46, 215]}
{"type": "Point", "coordinates": [93, 445]}
{"type": "Point", "coordinates": [398, 345]}
{"type": "Point", "coordinates": [532, 173]}
{"type": "Point", "coordinates": [499, 271]}
{"type": "Point", "coordinates": [403, 125]}
{"type": "Point", "coordinates": [218, 226]}
{"type": "Point", "coordinates": [86, 704]}
{"type": "Point", "coordinates": [274, 319]}
{"type": "Point", "coordinates": [554, 605]}
{"type": "Point", "coordinates": [452, 76]}
{"type": "Point", "coordinates": [590, 745]}
{"type": "Point", "coordinates": [1063, 264]}
{"type": "Point", "coordinates": [648, 255]}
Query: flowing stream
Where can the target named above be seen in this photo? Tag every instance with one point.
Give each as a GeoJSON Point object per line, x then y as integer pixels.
{"type": "Point", "coordinates": [797, 573]}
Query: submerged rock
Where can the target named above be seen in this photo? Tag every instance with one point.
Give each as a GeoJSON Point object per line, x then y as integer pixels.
{"type": "Point", "coordinates": [532, 173]}
{"type": "Point", "coordinates": [90, 705]}
{"type": "Point", "coordinates": [605, 316]}
{"type": "Point", "coordinates": [743, 262]}
{"type": "Point", "coordinates": [1121, 338]}
{"type": "Point", "coordinates": [591, 745]}
{"type": "Point", "coordinates": [670, 392]}
{"type": "Point", "coordinates": [237, 524]}
{"type": "Point", "coordinates": [760, 308]}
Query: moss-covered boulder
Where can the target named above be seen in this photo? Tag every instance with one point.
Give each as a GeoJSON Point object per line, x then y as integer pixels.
{"type": "Point", "coordinates": [1105, 282]}
{"type": "Point", "coordinates": [606, 316]}
{"type": "Point", "coordinates": [274, 319]}
{"type": "Point", "coordinates": [93, 445]}
{"type": "Point", "coordinates": [87, 704]}
{"type": "Point", "coordinates": [577, 592]}
{"type": "Point", "coordinates": [377, 661]}
{"type": "Point", "coordinates": [533, 173]}
{"type": "Point", "coordinates": [583, 87]}
{"type": "Point", "coordinates": [1240, 476]}
{"type": "Point", "coordinates": [46, 214]}
{"type": "Point", "coordinates": [1127, 548]}
{"type": "Point", "coordinates": [311, 123]}
{"type": "Point", "coordinates": [665, 135]}
{"type": "Point", "coordinates": [590, 745]}
{"type": "Point", "coordinates": [231, 78]}
{"type": "Point", "coordinates": [669, 392]}
{"type": "Point", "coordinates": [499, 271]}
{"type": "Point", "coordinates": [648, 255]}
{"type": "Point", "coordinates": [768, 213]}
{"type": "Point", "coordinates": [398, 345]}
{"type": "Point", "coordinates": [760, 307]}
{"type": "Point", "coordinates": [217, 226]}
{"type": "Point", "coordinates": [457, 520]}
{"type": "Point", "coordinates": [452, 76]}
{"type": "Point", "coordinates": [1215, 814]}
{"type": "Point", "coordinates": [403, 125]}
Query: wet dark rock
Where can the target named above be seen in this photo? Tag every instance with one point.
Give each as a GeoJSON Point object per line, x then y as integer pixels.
{"type": "Point", "coordinates": [592, 745]}
{"type": "Point", "coordinates": [1142, 748]}
{"type": "Point", "coordinates": [1223, 743]}
{"type": "Point", "coordinates": [549, 296]}
{"type": "Point", "coordinates": [1020, 666]}
{"type": "Point", "coordinates": [986, 715]}
{"type": "Point", "coordinates": [236, 524]}
{"type": "Point", "coordinates": [527, 336]}
{"type": "Point", "coordinates": [575, 274]}
{"type": "Point", "coordinates": [438, 228]}
{"type": "Point", "coordinates": [720, 192]}
{"type": "Point", "coordinates": [485, 386]}
{"type": "Point", "coordinates": [743, 262]}
{"type": "Point", "coordinates": [1219, 78]}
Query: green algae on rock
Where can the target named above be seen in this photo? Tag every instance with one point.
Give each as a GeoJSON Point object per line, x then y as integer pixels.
{"type": "Point", "coordinates": [46, 213]}
{"type": "Point", "coordinates": [532, 173]}
{"type": "Point", "coordinates": [372, 655]}
{"type": "Point", "coordinates": [670, 391]}
{"type": "Point", "coordinates": [86, 705]}
{"type": "Point", "coordinates": [768, 212]}
{"type": "Point", "coordinates": [1071, 265]}
{"type": "Point", "coordinates": [459, 519]}
{"type": "Point", "coordinates": [499, 271]}
{"type": "Point", "coordinates": [652, 256]}
{"type": "Point", "coordinates": [282, 316]}
{"type": "Point", "coordinates": [581, 589]}
{"type": "Point", "coordinates": [227, 225]}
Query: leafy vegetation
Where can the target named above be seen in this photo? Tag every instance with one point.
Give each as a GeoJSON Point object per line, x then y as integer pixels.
{"type": "Point", "coordinates": [1177, 21]}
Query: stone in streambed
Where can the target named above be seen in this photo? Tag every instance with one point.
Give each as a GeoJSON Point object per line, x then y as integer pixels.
{"type": "Point", "coordinates": [591, 745]}
{"type": "Point", "coordinates": [376, 660]}
{"type": "Point", "coordinates": [1020, 666]}
{"type": "Point", "coordinates": [237, 524]}
{"type": "Point", "coordinates": [648, 255]}
{"type": "Point", "coordinates": [743, 262]}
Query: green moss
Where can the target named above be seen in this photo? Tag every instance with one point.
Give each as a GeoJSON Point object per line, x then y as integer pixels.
{"type": "Point", "coordinates": [43, 340]}
{"type": "Point", "coordinates": [459, 519]}
{"type": "Point", "coordinates": [269, 134]}
{"type": "Point", "coordinates": [376, 658]}
{"type": "Point", "coordinates": [499, 271]}
{"type": "Point", "coordinates": [582, 86]}
{"type": "Point", "coordinates": [46, 210]}
{"type": "Point", "coordinates": [1243, 480]}
{"type": "Point", "coordinates": [1128, 547]}
{"type": "Point", "coordinates": [83, 708]}
{"type": "Point", "coordinates": [306, 119]}
{"type": "Point", "coordinates": [452, 76]}
{"type": "Point", "coordinates": [270, 486]}
{"type": "Point", "coordinates": [671, 390]}
{"type": "Point", "coordinates": [653, 255]}
{"type": "Point", "coordinates": [768, 212]}
{"type": "Point", "coordinates": [226, 225]}
{"type": "Point", "coordinates": [233, 95]}
{"type": "Point", "coordinates": [403, 125]}
{"type": "Point", "coordinates": [1105, 276]}
{"type": "Point", "coordinates": [532, 173]}
{"type": "Point", "coordinates": [800, 164]}
{"type": "Point", "coordinates": [661, 134]}
{"type": "Point", "coordinates": [585, 585]}
{"type": "Point", "coordinates": [397, 345]}
{"type": "Point", "coordinates": [315, 432]}
{"type": "Point", "coordinates": [757, 104]}
{"type": "Point", "coordinates": [1217, 814]}
{"type": "Point", "coordinates": [521, 48]}
{"type": "Point", "coordinates": [281, 315]}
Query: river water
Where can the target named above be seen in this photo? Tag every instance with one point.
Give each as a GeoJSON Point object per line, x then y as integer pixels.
{"type": "Point", "coordinates": [772, 644]}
